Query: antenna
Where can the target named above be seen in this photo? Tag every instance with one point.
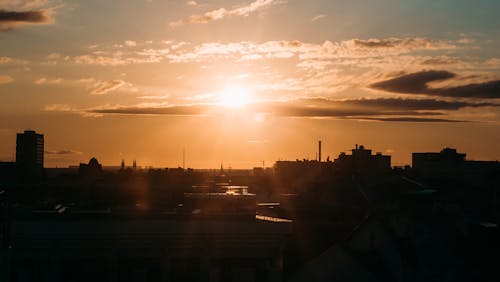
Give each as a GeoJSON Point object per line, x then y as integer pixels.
{"type": "Point", "coordinates": [183, 158]}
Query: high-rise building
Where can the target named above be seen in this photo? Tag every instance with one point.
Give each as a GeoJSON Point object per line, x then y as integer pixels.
{"type": "Point", "coordinates": [29, 153]}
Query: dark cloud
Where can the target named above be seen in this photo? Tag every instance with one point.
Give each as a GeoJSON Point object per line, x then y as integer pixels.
{"type": "Point", "coordinates": [29, 16]}
{"type": "Point", "coordinates": [289, 109]}
{"type": "Point", "coordinates": [408, 119]}
{"type": "Point", "coordinates": [10, 19]}
{"type": "Point", "coordinates": [411, 104]}
{"type": "Point", "coordinates": [382, 109]}
{"type": "Point", "coordinates": [412, 83]}
{"type": "Point", "coordinates": [293, 110]}
{"type": "Point", "coordinates": [170, 110]}
{"type": "Point", "coordinates": [390, 105]}
{"type": "Point", "coordinates": [417, 83]}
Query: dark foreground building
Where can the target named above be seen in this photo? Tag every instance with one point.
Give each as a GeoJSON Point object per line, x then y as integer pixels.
{"type": "Point", "coordinates": [86, 245]}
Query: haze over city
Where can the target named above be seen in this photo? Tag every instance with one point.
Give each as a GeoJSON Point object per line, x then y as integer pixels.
{"type": "Point", "coordinates": [241, 82]}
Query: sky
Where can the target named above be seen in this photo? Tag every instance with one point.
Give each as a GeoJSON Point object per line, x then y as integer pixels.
{"type": "Point", "coordinates": [243, 82]}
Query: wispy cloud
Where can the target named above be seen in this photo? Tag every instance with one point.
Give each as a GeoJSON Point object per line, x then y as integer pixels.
{"type": "Point", "coordinates": [94, 86]}
{"type": "Point", "coordinates": [59, 108]}
{"type": "Point", "coordinates": [221, 13]}
{"type": "Point", "coordinates": [104, 87]}
{"type": "Point", "coordinates": [62, 152]}
{"type": "Point", "coordinates": [313, 68]}
{"type": "Point", "coordinates": [410, 119]}
{"type": "Point", "coordinates": [5, 79]}
{"type": "Point", "coordinates": [309, 54]}
{"type": "Point", "coordinates": [44, 80]}
{"type": "Point", "coordinates": [318, 17]}
{"type": "Point", "coordinates": [5, 60]}
{"type": "Point", "coordinates": [24, 5]}
{"type": "Point", "coordinates": [182, 110]}
{"type": "Point", "coordinates": [130, 43]}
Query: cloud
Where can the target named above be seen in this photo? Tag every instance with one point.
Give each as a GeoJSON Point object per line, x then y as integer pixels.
{"type": "Point", "coordinates": [182, 110]}
{"type": "Point", "coordinates": [44, 80]}
{"type": "Point", "coordinates": [12, 19]}
{"type": "Point", "coordinates": [398, 104]}
{"type": "Point", "coordinates": [382, 109]}
{"type": "Point", "coordinates": [311, 53]}
{"type": "Point", "coordinates": [5, 60]}
{"type": "Point", "coordinates": [296, 109]}
{"type": "Point", "coordinates": [93, 85]}
{"type": "Point", "coordinates": [59, 108]}
{"type": "Point", "coordinates": [62, 152]}
{"type": "Point", "coordinates": [494, 62]}
{"type": "Point", "coordinates": [318, 17]}
{"type": "Point", "coordinates": [409, 119]}
{"type": "Point", "coordinates": [313, 68]}
{"type": "Point", "coordinates": [441, 60]}
{"type": "Point", "coordinates": [101, 58]}
{"type": "Point", "coordinates": [5, 79]}
{"type": "Point", "coordinates": [24, 5]}
{"type": "Point", "coordinates": [372, 53]}
{"type": "Point", "coordinates": [191, 3]}
{"type": "Point", "coordinates": [104, 87]}
{"type": "Point", "coordinates": [407, 43]}
{"type": "Point", "coordinates": [130, 43]}
{"type": "Point", "coordinates": [418, 83]}
{"type": "Point", "coordinates": [221, 13]}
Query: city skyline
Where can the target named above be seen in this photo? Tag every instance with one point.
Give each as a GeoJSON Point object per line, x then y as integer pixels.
{"type": "Point", "coordinates": [245, 81]}
{"type": "Point", "coordinates": [30, 153]}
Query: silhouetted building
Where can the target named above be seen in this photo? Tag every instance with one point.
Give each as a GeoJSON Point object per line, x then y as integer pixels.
{"type": "Point", "coordinates": [362, 159]}
{"type": "Point", "coordinates": [29, 153]}
{"type": "Point", "coordinates": [295, 175]}
{"type": "Point", "coordinates": [91, 171]}
{"type": "Point", "coordinates": [446, 162]}
{"type": "Point", "coordinates": [450, 164]}
{"type": "Point", "coordinates": [7, 172]}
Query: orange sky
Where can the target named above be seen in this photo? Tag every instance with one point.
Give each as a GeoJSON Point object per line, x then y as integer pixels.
{"type": "Point", "coordinates": [240, 82]}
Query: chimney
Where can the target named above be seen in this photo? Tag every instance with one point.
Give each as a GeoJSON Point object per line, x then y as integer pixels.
{"type": "Point", "coordinates": [319, 151]}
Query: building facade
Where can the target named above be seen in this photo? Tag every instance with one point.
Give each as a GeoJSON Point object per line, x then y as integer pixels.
{"type": "Point", "coordinates": [29, 153]}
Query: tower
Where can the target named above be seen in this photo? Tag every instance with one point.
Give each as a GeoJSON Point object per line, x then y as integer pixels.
{"type": "Point", "coordinates": [319, 151]}
{"type": "Point", "coordinates": [29, 153]}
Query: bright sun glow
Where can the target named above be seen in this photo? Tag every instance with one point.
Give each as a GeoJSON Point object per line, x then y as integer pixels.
{"type": "Point", "coordinates": [234, 97]}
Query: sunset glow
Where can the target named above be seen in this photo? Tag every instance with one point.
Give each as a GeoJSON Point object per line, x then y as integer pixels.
{"type": "Point", "coordinates": [345, 73]}
{"type": "Point", "coordinates": [234, 97]}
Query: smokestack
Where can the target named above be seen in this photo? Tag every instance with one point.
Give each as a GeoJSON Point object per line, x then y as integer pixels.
{"type": "Point", "coordinates": [319, 151]}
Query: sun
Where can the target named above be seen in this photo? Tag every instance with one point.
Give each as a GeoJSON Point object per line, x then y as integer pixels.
{"type": "Point", "coordinates": [234, 96]}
